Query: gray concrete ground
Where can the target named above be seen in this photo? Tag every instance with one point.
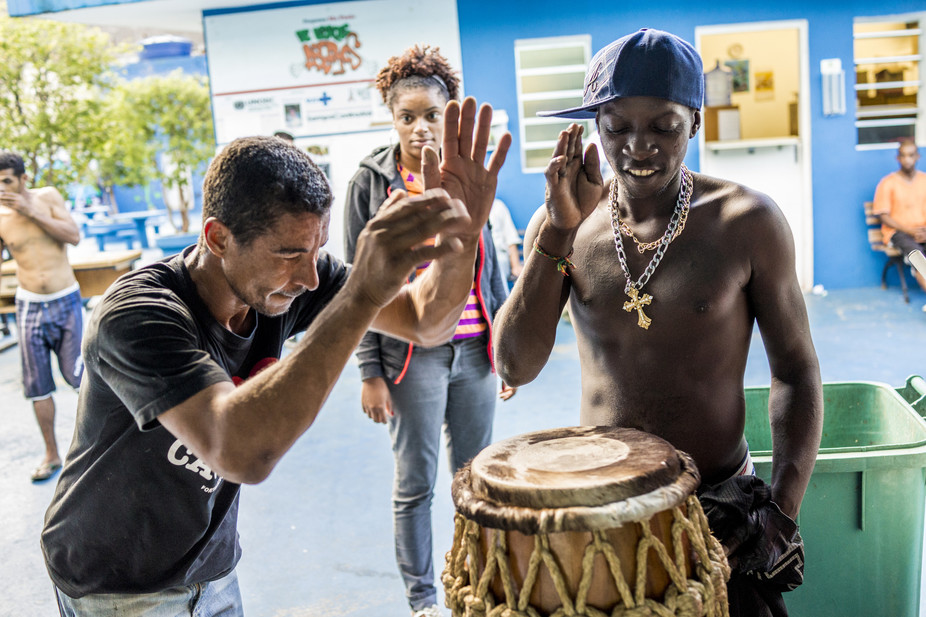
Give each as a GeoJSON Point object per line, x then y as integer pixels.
{"type": "Point", "coordinates": [317, 535]}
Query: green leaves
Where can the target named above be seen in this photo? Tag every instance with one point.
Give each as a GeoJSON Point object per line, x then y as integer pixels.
{"type": "Point", "coordinates": [74, 120]}
{"type": "Point", "coordinates": [160, 129]}
{"type": "Point", "coordinates": [51, 79]}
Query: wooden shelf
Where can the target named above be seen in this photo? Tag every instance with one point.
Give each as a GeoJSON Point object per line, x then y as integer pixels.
{"type": "Point", "coordinates": [752, 144]}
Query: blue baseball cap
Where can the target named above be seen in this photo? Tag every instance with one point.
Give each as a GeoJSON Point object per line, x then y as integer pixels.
{"type": "Point", "coordinates": [645, 63]}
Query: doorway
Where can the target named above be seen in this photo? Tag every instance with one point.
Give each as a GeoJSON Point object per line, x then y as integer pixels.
{"type": "Point", "coordinates": [759, 136]}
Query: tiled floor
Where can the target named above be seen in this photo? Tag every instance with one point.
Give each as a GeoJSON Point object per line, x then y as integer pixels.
{"type": "Point", "coordinates": [317, 534]}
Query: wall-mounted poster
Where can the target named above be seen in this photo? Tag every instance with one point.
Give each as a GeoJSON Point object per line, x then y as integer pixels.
{"type": "Point", "coordinates": [740, 70]}
{"type": "Point", "coordinates": [309, 68]}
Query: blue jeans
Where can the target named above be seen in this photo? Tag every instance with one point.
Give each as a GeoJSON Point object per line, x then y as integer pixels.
{"type": "Point", "coordinates": [451, 387]}
{"type": "Point", "coordinates": [219, 598]}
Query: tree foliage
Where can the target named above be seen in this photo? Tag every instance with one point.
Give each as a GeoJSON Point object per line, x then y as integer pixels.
{"type": "Point", "coordinates": [161, 130]}
{"type": "Point", "coordinates": [51, 78]}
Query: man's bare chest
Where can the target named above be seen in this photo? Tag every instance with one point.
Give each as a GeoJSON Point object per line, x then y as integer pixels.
{"type": "Point", "coordinates": [18, 231]}
{"type": "Point", "coordinates": [696, 278]}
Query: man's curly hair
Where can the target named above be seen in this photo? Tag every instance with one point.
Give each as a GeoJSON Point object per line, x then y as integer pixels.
{"type": "Point", "coordinates": [417, 67]}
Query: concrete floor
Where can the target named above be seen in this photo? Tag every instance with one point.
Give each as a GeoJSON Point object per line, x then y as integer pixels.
{"type": "Point", "coordinates": [317, 535]}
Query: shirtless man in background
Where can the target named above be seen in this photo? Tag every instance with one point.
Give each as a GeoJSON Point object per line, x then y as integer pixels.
{"type": "Point", "coordinates": [35, 226]}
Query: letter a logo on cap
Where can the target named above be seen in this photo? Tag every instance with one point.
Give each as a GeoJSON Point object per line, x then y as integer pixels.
{"type": "Point", "coordinates": [592, 83]}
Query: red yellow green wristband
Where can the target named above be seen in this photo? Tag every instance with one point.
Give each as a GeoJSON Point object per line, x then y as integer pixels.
{"type": "Point", "coordinates": [562, 263]}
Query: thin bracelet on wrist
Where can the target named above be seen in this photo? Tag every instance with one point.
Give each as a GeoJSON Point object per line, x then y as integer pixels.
{"type": "Point", "coordinates": [563, 264]}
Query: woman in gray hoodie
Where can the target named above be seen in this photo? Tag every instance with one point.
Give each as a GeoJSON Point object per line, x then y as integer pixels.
{"type": "Point", "coordinates": [419, 391]}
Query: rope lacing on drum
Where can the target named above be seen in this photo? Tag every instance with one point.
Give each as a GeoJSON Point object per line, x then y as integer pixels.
{"type": "Point", "coordinates": [704, 595]}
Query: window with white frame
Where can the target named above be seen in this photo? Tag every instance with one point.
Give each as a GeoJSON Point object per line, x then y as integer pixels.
{"type": "Point", "coordinates": [550, 75]}
{"type": "Point", "coordinates": [890, 100]}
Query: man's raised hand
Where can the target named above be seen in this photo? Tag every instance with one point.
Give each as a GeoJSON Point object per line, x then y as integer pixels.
{"type": "Point", "coordinates": [461, 169]}
{"type": "Point", "coordinates": [574, 182]}
{"type": "Point", "coordinates": [393, 243]}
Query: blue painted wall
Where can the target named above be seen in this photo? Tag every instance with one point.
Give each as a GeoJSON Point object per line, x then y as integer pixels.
{"type": "Point", "coordinates": [842, 178]}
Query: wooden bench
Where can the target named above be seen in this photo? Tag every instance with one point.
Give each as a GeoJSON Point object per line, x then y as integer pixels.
{"type": "Point", "coordinates": [95, 273]}
{"type": "Point", "coordinates": [894, 256]}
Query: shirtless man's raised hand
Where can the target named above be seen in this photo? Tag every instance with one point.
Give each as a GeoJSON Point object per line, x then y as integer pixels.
{"type": "Point", "coordinates": [668, 271]}
{"type": "Point", "coordinates": [36, 226]}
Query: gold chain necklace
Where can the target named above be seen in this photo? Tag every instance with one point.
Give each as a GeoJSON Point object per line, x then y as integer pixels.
{"type": "Point", "coordinates": [642, 247]}
{"type": "Point", "coordinates": [633, 289]}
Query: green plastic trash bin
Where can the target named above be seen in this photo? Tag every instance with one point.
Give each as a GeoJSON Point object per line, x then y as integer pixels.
{"type": "Point", "coordinates": [862, 515]}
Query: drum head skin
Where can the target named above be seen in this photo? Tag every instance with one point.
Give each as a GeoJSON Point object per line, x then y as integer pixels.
{"type": "Point", "coordinates": [574, 478]}
{"type": "Point", "coordinates": [583, 466]}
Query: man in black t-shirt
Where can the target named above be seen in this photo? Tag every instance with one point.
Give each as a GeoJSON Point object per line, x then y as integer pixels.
{"type": "Point", "coordinates": [184, 397]}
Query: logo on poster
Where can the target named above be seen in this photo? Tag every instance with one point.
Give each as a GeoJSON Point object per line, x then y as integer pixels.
{"type": "Point", "coordinates": [323, 99]}
{"type": "Point", "coordinates": [333, 50]}
{"type": "Point", "coordinates": [256, 104]}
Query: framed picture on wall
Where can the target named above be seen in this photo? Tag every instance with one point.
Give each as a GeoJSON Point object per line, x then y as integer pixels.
{"type": "Point", "coordinates": [293, 115]}
{"type": "Point", "coordinates": [740, 70]}
{"type": "Point", "coordinates": [765, 85]}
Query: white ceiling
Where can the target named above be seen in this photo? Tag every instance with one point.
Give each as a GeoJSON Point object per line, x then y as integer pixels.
{"type": "Point", "coordinates": [171, 15]}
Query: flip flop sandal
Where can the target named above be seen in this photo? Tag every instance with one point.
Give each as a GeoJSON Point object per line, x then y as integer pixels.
{"type": "Point", "coordinates": [45, 471]}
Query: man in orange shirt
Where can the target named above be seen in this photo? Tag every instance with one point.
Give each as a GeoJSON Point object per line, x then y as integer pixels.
{"type": "Point", "coordinates": [900, 201]}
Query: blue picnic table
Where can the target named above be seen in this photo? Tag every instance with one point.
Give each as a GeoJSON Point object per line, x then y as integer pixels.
{"type": "Point", "coordinates": [111, 232]}
{"type": "Point", "coordinates": [141, 219]}
{"type": "Point", "coordinates": [125, 227]}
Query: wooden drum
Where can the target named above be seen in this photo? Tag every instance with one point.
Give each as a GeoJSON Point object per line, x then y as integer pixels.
{"type": "Point", "coordinates": [584, 521]}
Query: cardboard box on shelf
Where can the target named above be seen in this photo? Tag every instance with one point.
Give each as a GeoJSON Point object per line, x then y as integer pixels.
{"type": "Point", "coordinates": [721, 123]}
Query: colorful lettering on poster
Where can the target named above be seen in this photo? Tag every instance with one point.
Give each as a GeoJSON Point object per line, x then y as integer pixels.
{"type": "Point", "coordinates": [333, 51]}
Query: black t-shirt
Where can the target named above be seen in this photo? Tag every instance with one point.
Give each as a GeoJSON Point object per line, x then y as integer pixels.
{"type": "Point", "coordinates": [134, 510]}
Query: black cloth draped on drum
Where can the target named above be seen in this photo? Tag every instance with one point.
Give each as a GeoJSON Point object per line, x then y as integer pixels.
{"type": "Point", "coordinates": [768, 552]}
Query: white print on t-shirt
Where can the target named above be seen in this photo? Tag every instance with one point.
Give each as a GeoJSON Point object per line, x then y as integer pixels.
{"type": "Point", "coordinates": [181, 456]}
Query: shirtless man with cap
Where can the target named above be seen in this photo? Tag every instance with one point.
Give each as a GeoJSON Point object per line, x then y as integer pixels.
{"type": "Point", "coordinates": [665, 272]}
{"type": "Point", "coordinates": [36, 227]}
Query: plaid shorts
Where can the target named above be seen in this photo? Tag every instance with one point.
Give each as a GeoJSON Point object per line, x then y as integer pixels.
{"type": "Point", "coordinates": [49, 323]}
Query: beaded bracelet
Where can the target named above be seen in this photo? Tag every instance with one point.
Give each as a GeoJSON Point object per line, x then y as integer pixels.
{"type": "Point", "coordinates": [562, 263]}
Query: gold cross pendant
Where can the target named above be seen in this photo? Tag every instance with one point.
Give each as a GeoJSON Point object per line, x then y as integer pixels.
{"type": "Point", "coordinates": [638, 302]}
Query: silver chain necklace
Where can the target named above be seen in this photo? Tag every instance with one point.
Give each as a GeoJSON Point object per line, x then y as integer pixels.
{"type": "Point", "coordinates": [633, 288]}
